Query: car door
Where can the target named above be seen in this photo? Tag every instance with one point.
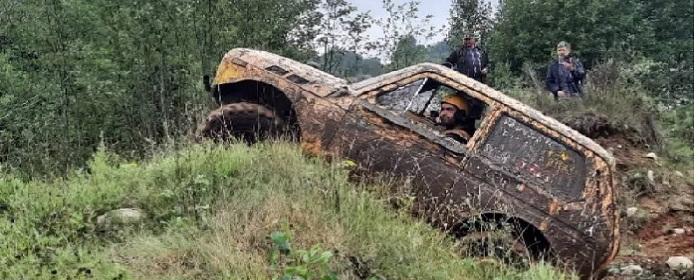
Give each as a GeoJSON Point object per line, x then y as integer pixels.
{"type": "Point", "coordinates": [390, 132]}
{"type": "Point", "coordinates": [384, 139]}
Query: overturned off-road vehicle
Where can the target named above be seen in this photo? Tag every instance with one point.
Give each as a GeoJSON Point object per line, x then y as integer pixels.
{"type": "Point", "coordinates": [547, 186]}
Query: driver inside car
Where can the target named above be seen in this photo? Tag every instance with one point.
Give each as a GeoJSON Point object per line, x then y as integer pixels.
{"type": "Point", "coordinates": [454, 111]}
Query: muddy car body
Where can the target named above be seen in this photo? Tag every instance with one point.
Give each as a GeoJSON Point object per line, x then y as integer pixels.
{"type": "Point", "coordinates": [519, 166]}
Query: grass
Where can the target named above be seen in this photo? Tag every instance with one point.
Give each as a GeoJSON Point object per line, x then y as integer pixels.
{"type": "Point", "coordinates": [212, 212]}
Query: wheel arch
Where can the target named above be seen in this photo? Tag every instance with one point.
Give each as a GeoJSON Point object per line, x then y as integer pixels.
{"type": "Point", "coordinates": [534, 238]}
{"type": "Point", "coordinates": [259, 92]}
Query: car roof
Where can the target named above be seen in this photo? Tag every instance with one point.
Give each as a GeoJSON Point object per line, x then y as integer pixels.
{"type": "Point", "coordinates": [378, 82]}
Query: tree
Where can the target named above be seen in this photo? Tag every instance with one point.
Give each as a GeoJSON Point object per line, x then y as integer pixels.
{"type": "Point", "coordinates": [400, 29]}
{"type": "Point", "coordinates": [672, 49]}
{"type": "Point", "coordinates": [74, 74]}
{"type": "Point", "coordinates": [342, 28]}
{"type": "Point", "coordinates": [407, 53]}
{"type": "Point", "coordinates": [655, 35]}
{"type": "Point", "coordinates": [469, 16]}
{"type": "Point", "coordinates": [597, 29]}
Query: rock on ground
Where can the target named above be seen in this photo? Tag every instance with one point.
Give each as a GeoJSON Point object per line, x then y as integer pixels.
{"type": "Point", "coordinates": [631, 270]}
{"type": "Point", "coordinates": [120, 217]}
{"type": "Point", "coordinates": [679, 262]}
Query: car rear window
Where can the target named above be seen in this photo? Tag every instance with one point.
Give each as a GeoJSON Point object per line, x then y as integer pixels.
{"type": "Point", "coordinates": [528, 153]}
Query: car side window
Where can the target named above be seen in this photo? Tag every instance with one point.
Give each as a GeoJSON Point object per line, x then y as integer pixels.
{"type": "Point", "coordinates": [421, 101]}
{"type": "Point", "coordinates": [410, 97]}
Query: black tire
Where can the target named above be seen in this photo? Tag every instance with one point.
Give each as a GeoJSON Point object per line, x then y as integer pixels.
{"type": "Point", "coordinates": [499, 240]}
{"type": "Point", "coordinates": [246, 121]}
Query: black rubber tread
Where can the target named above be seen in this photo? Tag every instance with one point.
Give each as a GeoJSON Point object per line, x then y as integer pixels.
{"type": "Point", "coordinates": [500, 240]}
{"type": "Point", "coordinates": [247, 121]}
{"type": "Point", "coordinates": [495, 242]}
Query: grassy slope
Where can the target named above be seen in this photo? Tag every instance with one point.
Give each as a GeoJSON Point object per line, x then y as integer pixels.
{"type": "Point", "coordinates": [210, 214]}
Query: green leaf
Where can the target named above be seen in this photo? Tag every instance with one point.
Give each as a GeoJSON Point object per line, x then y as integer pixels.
{"type": "Point", "coordinates": [299, 270]}
{"type": "Point", "coordinates": [326, 256]}
{"type": "Point", "coordinates": [281, 241]}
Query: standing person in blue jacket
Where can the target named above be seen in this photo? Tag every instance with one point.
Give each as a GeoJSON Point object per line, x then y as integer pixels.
{"type": "Point", "coordinates": [469, 60]}
{"type": "Point", "coordinates": [565, 75]}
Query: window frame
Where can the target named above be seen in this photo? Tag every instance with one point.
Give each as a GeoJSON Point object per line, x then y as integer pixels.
{"type": "Point", "coordinates": [488, 116]}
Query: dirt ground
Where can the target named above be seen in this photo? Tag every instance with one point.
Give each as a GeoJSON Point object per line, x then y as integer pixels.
{"type": "Point", "coordinates": [662, 226]}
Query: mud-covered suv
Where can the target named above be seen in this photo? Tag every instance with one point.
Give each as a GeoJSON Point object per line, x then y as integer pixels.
{"type": "Point", "coordinates": [520, 169]}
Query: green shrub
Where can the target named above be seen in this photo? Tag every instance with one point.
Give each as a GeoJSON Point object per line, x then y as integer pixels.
{"type": "Point", "coordinates": [614, 97]}
{"type": "Point", "coordinates": [503, 78]}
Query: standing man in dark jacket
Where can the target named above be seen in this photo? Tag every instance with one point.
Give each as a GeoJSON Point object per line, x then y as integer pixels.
{"type": "Point", "coordinates": [565, 75]}
{"type": "Point", "coordinates": [469, 59]}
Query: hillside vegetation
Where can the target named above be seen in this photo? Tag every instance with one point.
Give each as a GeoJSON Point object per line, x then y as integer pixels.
{"type": "Point", "coordinates": [214, 212]}
{"type": "Point", "coordinates": [78, 76]}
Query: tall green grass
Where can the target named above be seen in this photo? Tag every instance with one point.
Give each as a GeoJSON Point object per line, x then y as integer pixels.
{"type": "Point", "coordinates": [211, 212]}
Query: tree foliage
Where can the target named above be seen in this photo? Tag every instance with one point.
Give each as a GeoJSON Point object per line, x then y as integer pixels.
{"type": "Point", "coordinates": [658, 33]}
{"type": "Point", "coordinates": [77, 73]}
{"type": "Point", "coordinates": [342, 29]}
{"type": "Point", "coordinates": [400, 29]}
{"type": "Point", "coordinates": [529, 31]}
{"type": "Point", "coordinates": [469, 16]}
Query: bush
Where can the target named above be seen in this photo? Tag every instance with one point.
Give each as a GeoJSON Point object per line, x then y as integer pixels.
{"type": "Point", "coordinates": [614, 103]}
{"type": "Point", "coordinates": [503, 78]}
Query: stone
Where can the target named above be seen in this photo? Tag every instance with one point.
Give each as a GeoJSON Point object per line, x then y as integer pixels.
{"type": "Point", "coordinates": [650, 176]}
{"type": "Point", "coordinates": [614, 270]}
{"type": "Point", "coordinates": [681, 204]}
{"type": "Point", "coordinates": [632, 270]}
{"type": "Point", "coordinates": [631, 211]}
{"type": "Point", "coordinates": [678, 231]}
{"type": "Point", "coordinates": [679, 174]}
{"type": "Point", "coordinates": [651, 156]}
{"type": "Point", "coordinates": [120, 217]}
{"type": "Point", "coordinates": [665, 182]}
{"type": "Point", "coordinates": [679, 262]}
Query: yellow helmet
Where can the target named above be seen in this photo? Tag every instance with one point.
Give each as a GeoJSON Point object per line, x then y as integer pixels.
{"type": "Point", "coordinates": [457, 101]}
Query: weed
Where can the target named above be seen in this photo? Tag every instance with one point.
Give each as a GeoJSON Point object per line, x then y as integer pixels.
{"type": "Point", "coordinates": [298, 264]}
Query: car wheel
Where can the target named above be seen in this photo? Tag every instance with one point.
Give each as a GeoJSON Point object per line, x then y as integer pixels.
{"type": "Point", "coordinates": [497, 240]}
{"type": "Point", "coordinates": [245, 121]}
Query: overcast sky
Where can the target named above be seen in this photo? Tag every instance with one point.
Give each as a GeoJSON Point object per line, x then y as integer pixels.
{"type": "Point", "coordinates": [439, 9]}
